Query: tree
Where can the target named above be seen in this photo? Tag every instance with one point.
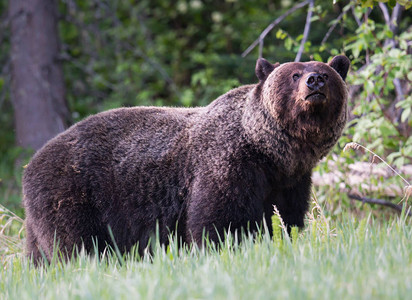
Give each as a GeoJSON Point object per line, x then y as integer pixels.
{"type": "Point", "coordinates": [37, 89]}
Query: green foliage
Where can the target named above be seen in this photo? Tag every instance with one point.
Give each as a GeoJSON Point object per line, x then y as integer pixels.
{"type": "Point", "coordinates": [373, 124]}
{"type": "Point", "coordinates": [156, 52]}
{"type": "Point", "coordinates": [391, 3]}
{"type": "Point", "coordinates": [12, 161]}
{"type": "Point", "coordinates": [380, 97]}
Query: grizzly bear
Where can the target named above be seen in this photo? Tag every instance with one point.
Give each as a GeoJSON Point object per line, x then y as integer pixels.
{"type": "Point", "coordinates": [119, 176]}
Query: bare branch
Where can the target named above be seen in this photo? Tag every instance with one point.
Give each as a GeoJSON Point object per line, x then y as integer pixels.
{"type": "Point", "coordinates": [393, 26]}
{"type": "Point", "coordinates": [385, 13]}
{"type": "Point", "coordinates": [332, 28]}
{"type": "Point", "coordinates": [356, 18]}
{"type": "Point", "coordinates": [398, 88]}
{"type": "Point", "coordinates": [395, 17]}
{"type": "Point", "coordinates": [379, 202]}
{"type": "Point", "coordinates": [305, 31]}
{"type": "Point", "coordinates": [271, 26]}
{"type": "Point", "coordinates": [392, 22]}
{"type": "Point", "coordinates": [261, 48]}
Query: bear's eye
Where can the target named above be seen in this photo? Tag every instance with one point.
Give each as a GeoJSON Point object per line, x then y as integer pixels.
{"type": "Point", "coordinates": [325, 76]}
{"type": "Point", "coordinates": [296, 76]}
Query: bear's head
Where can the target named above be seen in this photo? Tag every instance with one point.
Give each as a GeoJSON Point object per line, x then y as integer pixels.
{"type": "Point", "coordinates": [305, 99]}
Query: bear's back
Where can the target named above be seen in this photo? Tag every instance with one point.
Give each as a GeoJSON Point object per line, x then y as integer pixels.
{"type": "Point", "coordinates": [92, 150]}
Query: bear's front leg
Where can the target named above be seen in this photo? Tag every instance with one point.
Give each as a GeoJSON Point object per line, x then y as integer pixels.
{"type": "Point", "coordinates": [293, 202]}
{"type": "Point", "coordinates": [228, 205]}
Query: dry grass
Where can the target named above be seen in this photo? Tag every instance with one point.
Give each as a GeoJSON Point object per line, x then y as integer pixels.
{"type": "Point", "coordinates": [11, 234]}
{"type": "Point", "coordinates": [407, 189]}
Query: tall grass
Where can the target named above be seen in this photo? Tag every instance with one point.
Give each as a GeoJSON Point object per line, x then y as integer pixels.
{"type": "Point", "coordinates": [11, 234]}
{"type": "Point", "coordinates": [345, 259]}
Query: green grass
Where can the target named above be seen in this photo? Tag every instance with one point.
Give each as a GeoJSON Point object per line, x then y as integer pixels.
{"type": "Point", "coordinates": [344, 259]}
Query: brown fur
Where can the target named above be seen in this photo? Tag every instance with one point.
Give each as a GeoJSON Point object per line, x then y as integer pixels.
{"type": "Point", "coordinates": [210, 169]}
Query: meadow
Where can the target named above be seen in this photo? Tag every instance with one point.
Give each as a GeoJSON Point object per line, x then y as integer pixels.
{"type": "Point", "coordinates": [343, 258]}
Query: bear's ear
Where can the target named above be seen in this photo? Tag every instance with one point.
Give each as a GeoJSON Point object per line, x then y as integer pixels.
{"type": "Point", "coordinates": [341, 65]}
{"type": "Point", "coordinates": [264, 68]}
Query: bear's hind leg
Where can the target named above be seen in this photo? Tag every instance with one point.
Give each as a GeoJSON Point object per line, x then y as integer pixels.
{"type": "Point", "coordinates": [32, 247]}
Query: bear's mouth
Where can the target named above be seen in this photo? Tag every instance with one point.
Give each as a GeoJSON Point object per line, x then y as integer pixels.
{"type": "Point", "coordinates": [316, 98]}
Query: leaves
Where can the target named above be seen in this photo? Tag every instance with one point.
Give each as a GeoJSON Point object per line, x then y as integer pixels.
{"type": "Point", "coordinates": [391, 3]}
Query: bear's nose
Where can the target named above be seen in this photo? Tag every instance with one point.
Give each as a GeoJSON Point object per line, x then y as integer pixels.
{"type": "Point", "coordinates": [315, 81]}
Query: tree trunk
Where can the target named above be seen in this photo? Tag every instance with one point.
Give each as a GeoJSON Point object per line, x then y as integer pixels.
{"type": "Point", "coordinates": [37, 89]}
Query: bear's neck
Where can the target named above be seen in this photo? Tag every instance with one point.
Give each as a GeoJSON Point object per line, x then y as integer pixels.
{"type": "Point", "coordinates": [291, 155]}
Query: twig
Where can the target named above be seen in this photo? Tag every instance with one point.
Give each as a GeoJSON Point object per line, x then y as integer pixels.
{"type": "Point", "coordinates": [398, 89]}
{"type": "Point", "coordinates": [282, 223]}
{"type": "Point", "coordinates": [379, 202]}
{"type": "Point", "coordinates": [332, 28]}
{"type": "Point", "coordinates": [385, 13]}
{"type": "Point", "coordinates": [356, 18]}
{"type": "Point", "coordinates": [396, 15]}
{"type": "Point", "coordinates": [271, 26]}
{"type": "Point", "coordinates": [392, 22]}
{"type": "Point", "coordinates": [366, 16]}
{"type": "Point", "coordinates": [355, 146]}
{"type": "Point", "coordinates": [305, 31]}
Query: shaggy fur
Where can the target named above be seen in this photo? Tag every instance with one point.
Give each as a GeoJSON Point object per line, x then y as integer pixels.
{"type": "Point", "coordinates": [209, 169]}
